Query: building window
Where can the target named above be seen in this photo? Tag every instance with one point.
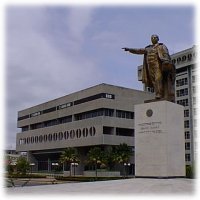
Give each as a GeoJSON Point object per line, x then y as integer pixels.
{"type": "Point", "coordinates": [23, 117]}
{"type": "Point", "coordinates": [45, 138]}
{"type": "Point", "coordinates": [92, 131]}
{"type": "Point", "coordinates": [66, 135]}
{"type": "Point", "coordinates": [60, 135]}
{"type": "Point", "coordinates": [182, 92]}
{"type": "Point", "coordinates": [125, 132]}
{"type": "Point", "coordinates": [72, 134]}
{"type": "Point", "coordinates": [187, 157]}
{"type": "Point", "coordinates": [94, 113]}
{"type": "Point", "coordinates": [78, 133]}
{"type": "Point", "coordinates": [36, 126]}
{"type": "Point", "coordinates": [183, 102]}
{"type": "Point", "coordinates": [66, 119]}
{"type": "Point", "coordinates": [187, 146]}
{"type": "Point", "coordinates": [124, 114]}
{"type": "Point", "coordinates": [50, 137]}
{"type": "Point", "coordinates": [32, 139]}
{"type": "Point", "coordinates": [25, 128]}
{"type": "Point", "coordinates": [49, 110]}
{"type": "Point", "coordinates": [55, 136]}
{"type": "Point", "coordinates": [94, 97]}
{"type": "Point", "coordinates": [36, 139]}
{"type": "Point", "coordinates": [108, 130]}
{"type": "Point", "coordinates": [186, 113]}
{"type": "Point", "coordinates": [40, 138]}
{"type": "Point", "coordinates": [28, 140]}
{"type": "Point", "coordinates": [85, 132]}
{"type": "Point", "coordinates": [181, 82]}
{"type": "Point", "coordinates": [50, 123]}
{"type": "Point", "coordinates": [187, 124]}
{"type": "Point", "coordinates": [187, 135]}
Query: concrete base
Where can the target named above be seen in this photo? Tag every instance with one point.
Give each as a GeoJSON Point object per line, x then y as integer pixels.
{"type": "Point", "coordinates": [159, 140]}
{"type": "Point", "coordinates": [102, 173]}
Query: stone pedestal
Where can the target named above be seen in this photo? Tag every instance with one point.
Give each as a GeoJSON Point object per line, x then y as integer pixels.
{"type": "Point", "coordinates": [159, 140]}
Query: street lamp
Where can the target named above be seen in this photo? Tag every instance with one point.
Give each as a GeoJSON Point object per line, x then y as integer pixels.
{"type": "Point", "coordinates": [128, 165]}
{"type": "Point", "coordinates": [32, 165]}
{"type": "Point", "coordinates": [54, 164]}
{"type": "Point", "coordinates": [74, 165]}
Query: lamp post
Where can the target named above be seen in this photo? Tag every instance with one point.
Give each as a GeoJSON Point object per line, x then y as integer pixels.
{"type": "Point", "coordinates": [54, 164]}
{"type": "Point", "coordinates": [125, 168]}
{"type": "Point", "coordinates": [31, 165]}
{"type": "Point", "coordinates": [74, 166]}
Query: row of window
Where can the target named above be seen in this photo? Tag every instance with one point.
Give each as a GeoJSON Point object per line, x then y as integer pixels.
{"type": "Point", "coordinates": [184, 58]}
{"type": "Point", "coordinates": [182, 92]}
{"type": "Point", "coordinates": [69, 104]}
{"type": "Point", "coordinates": [81, 116]}
{"type": "Point", "coordinates": [48, 123]}
{"type": "Point", "coordinates": [94, 113]}
{"type": "Point", "coordinates": [181, 82]}
{"type": "Point", "coordinates": [183, 102]}
{"type": "Point", "coordinates": [72, 134]}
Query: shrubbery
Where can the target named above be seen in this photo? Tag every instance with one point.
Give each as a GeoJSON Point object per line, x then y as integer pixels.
{"type": "Point", "coordinates": [190, 171]}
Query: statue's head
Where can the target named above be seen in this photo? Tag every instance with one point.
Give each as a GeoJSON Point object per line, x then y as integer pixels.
{"type": "Point", "coordinates": [154, 39]}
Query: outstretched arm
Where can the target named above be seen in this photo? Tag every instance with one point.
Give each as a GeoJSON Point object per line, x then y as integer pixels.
{"type": "Point", "coordinates": [135, 51]}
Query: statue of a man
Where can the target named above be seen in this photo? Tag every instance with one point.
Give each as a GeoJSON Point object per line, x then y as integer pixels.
{"type": "Point", "coordinates": [158, 71]}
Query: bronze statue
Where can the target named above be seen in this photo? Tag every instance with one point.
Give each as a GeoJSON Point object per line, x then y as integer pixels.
{"type": "Point", "coordinates": [158, 71]}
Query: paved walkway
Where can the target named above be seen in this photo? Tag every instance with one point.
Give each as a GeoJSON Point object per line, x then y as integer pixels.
{"type": "Point", "coordinates": [123, 187]}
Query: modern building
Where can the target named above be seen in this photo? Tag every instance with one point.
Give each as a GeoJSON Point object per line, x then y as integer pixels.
{"type": "Point", "coordinates": [185, 88]}
{"type": "Point", "coordinates": [102, 116]}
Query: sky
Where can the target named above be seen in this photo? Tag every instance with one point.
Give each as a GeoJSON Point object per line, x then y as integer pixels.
{"type": "Point", "coordinates": [52, 51]}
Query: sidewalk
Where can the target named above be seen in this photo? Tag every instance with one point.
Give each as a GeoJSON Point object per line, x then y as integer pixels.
{"type": "Point", "coordinates": [128, 186]}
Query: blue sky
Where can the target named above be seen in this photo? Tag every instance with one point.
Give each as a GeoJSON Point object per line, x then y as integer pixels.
{"type": "Point", "coordinates": [52, 51]}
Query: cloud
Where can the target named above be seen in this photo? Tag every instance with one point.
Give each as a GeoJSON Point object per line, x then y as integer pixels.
{"type": "Point", "coordinates": [79, 18]}
{"type": "Point", "coordinates": [37, 69]}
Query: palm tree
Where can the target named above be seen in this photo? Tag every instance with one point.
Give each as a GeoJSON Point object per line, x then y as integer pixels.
{"type": "Point", "coordinates": [69, 156]}
{"type": "Point", "coordinates": [122, 154]}
{"type": "Point", "coordinates": [95, 156]}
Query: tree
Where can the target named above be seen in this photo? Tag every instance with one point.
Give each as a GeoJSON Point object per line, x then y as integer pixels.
{"type": "Point", "coordinates": [9, 166]}
{"type": "Point", "coordinates": [96, 157]}
{"type": "Point", "coordinates": [122, 153]}
{"type": "Point", "coordinates": [70, 155]}
{"type": "Point", "coordinates": [110, 158]}
{"type": "Point", "coordinates": [22, 165]}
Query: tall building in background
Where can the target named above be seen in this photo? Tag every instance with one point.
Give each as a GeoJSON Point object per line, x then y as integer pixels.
{"type": "Point", "coordinates": [185, 87]}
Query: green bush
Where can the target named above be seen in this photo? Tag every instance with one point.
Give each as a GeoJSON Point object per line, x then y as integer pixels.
{"type": "Point", "coordinates": [22, 165]}
{"type": "Point", "coordinates": [190, 171]}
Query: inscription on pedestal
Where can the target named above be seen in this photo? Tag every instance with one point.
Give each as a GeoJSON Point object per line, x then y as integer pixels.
{"type": "Point", "coordinates": [150, 128]}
